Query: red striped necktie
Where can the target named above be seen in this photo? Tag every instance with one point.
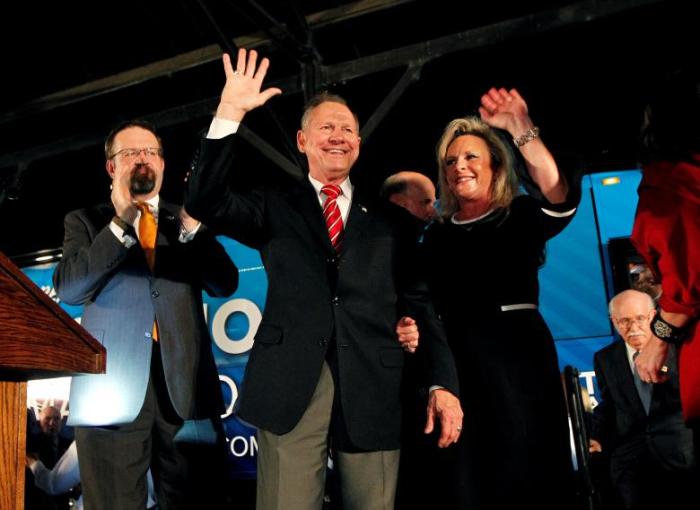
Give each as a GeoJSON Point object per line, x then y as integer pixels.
{"type": "Point", "coordinates": [331, 213]}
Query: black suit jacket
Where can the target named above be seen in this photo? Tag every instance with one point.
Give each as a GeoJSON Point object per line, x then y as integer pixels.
{"type": "Point", "coordinates": [317, 298]}
{"type": "Point", "coordinates": [121, 298]}
{"type": "Point", "coordinates": [622, 426]}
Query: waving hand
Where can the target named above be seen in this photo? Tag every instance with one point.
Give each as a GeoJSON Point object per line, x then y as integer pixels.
{"type": "Point", "coordinates": [241, 92]}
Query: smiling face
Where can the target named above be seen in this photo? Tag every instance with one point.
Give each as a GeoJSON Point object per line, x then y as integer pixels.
{"type": "Point", "coordinates": [468, 169]}
{"type": "Point", "coordinates": [331, 142]}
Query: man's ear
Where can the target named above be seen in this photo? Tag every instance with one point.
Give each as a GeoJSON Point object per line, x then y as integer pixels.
{"type": "Point", "coordinates": [617, 329]}
{"type": "Point", "coordinates": [109, 166]}
{"type": "Point", "coordinates": [301, 141]}
{"type": "Point", "coordinates": [398, 199]}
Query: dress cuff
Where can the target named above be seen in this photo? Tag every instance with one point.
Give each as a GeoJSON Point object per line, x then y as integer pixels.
{"type": "Point", "coordinates": [126, 239]}
{"type": "Point", "coordinates": [220, 128]}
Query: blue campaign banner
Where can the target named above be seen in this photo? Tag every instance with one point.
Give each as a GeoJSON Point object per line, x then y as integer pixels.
{"type": "Point", "coordinates": [233, 322]}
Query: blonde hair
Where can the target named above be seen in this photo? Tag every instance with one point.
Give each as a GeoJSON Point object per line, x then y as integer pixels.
{"type": "Point", "coordinates": [505, 183]}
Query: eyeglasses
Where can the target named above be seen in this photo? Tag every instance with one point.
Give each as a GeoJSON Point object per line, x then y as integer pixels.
{"type": "Point", "coordinates": [626, 322]}
{"type": "Point", "coordinates": [149, 152]}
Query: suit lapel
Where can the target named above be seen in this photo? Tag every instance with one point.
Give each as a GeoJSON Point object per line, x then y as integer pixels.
{"type": "Point", "coordinates": [356, 225]}
{"type": "Point", "coordinates": [309, 207]}
{"type": "Point", "coordinates": [625, 378]}
{"type": "Point", "coordinates": [168, 223]}
{"type": "Point", "coordinates": [662, 393]}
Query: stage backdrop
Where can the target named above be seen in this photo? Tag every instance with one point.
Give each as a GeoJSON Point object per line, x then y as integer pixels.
{"type": "Point", "coordinates": [576, 283]}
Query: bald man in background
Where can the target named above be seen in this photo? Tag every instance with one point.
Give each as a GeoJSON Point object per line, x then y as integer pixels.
{"type": "Point", "coordinates": [413, 191]}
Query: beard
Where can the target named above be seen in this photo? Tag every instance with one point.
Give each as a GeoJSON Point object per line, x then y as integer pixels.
{"type": "Point", "coordinates": [143, 179]}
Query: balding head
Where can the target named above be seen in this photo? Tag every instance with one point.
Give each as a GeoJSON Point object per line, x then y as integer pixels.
{"type": "Point", "coordinates": [631, 312]}
{"type": "Point", "coordinates": [413, 191]}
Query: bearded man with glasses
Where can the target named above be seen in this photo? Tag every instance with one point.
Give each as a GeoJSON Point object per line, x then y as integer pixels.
{"type": "Point", "coordinates": [138, 265]}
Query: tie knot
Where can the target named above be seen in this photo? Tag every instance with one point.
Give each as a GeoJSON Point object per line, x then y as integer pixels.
{"type": "Point", "coordinates": [634, 356]}
{"type": "Point", "coordinates": [332, 191]}
{"type": "Point", "coordinates": [144, 208]}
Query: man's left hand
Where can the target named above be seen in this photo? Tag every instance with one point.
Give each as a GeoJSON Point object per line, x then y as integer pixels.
{"type": "Point", "coordinates": [445, 406]}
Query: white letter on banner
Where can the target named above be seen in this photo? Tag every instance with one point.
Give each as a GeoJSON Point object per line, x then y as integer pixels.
{"type": "Point", "coordinates": [218, 327]}
{"type": "Point", "coordinates": [253, 445]}
{"type": "Point", "coordinates": [248, 448]}
{"type": "Point", "coordinates": [588, 377]}
{"type": "Point", "coordinates": [234, 394]}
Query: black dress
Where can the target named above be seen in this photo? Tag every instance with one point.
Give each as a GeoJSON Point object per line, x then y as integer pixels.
{"type": "Point", "coordinates": [515, 446]}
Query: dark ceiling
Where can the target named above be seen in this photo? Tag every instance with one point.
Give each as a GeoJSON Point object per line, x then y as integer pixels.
{"type": "Point", "coordinates": [72, 70]}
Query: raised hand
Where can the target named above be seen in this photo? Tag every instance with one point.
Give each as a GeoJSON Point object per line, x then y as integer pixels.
{"type": "Point", "coordinates": [121, 196]}
{"type": "Point", "coordinates": [505, 110]}
{"type": "Point", "coordinates": [242, 92]}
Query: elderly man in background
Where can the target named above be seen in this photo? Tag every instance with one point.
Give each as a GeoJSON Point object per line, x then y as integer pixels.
{"type": "Point", "coordinates": [639, 424]}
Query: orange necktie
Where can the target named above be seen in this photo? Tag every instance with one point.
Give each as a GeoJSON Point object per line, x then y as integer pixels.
{"type": "Point", "coordinates": [148, 231]}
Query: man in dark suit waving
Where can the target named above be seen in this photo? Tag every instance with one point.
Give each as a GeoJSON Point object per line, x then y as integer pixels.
{"type": "Point", "coordinates": [139, 265]}
{"type": "Point", "coordinates": [325, 365]}
{"type": "Point", "coordinates": [639, 424]}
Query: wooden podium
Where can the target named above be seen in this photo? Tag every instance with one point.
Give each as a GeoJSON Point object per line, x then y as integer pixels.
{"type": "Point", "coordinates": [37, 340]}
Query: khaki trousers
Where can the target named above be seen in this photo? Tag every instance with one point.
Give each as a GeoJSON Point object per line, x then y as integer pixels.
{"type": "Point", "coordinates": [292, 467]}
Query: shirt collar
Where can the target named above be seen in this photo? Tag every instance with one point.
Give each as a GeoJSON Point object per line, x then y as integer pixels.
{"type": "Point", "coordinates": [630, 353]}
{"type": "Point", "coordinates": [153, 203]}
{"type": "Point", "coordinates": [345, 186]}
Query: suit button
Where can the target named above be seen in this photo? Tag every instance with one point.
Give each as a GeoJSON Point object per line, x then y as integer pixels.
{"type": "Point", "coordinates": [335, 300]}
{"type": "Point", "coordinates": [331, 260]}
{"type": "Point", "coordinates": [155, 294]}
{"type": "Point", "coordinates": [323, 342]}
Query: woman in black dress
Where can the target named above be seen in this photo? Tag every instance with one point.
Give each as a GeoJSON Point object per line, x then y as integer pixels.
{"type": "Point", "coordinates": [483, 260]}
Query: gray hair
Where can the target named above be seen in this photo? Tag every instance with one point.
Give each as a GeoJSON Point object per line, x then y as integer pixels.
{"type": "Point", "coordinates": [318, 100]}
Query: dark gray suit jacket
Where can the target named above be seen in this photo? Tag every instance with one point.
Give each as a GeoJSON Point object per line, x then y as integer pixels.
{"type": "Point", "coordinates": [622, 426]}
{"type": "Point", "coordinates": [316, 296]}
{"type": "Point", "coordinates": [122, 297]}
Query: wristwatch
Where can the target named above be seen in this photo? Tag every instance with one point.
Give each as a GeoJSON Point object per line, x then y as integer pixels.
{"type": "Point", "coordinates": [121, 223]}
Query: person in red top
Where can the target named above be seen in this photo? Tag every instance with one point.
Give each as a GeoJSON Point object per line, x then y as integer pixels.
{"type": "Point", "coordinates": [667, 232]}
